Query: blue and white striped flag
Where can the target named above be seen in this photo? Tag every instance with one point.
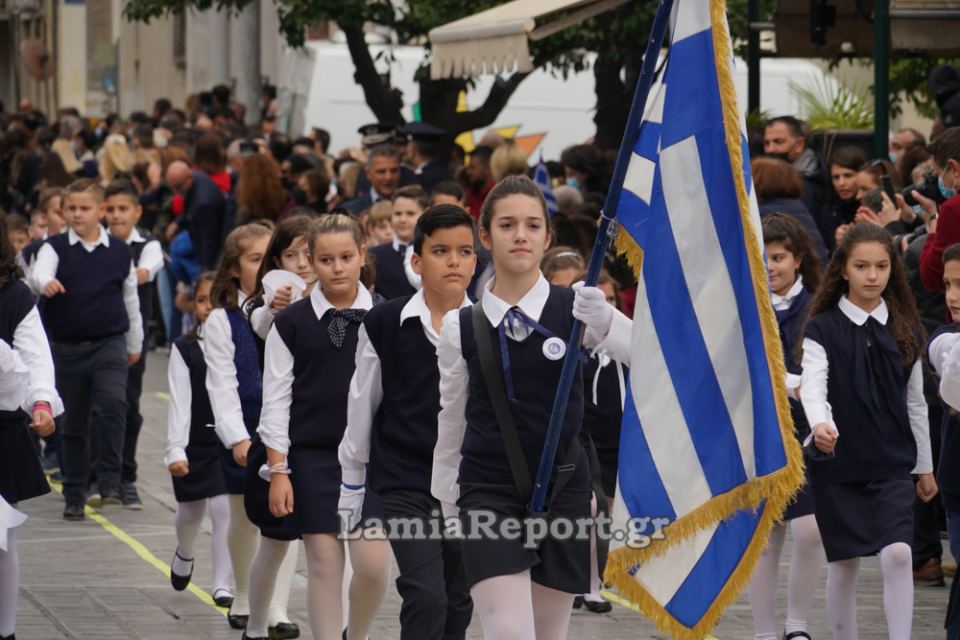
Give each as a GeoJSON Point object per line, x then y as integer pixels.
{"type": "Point", "coordinates": [707, 438]}
{"type": "Point", "coordinates": [542, 177]}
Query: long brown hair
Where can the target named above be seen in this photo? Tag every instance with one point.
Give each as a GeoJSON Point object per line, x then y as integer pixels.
{"type": "Point", "coordinates": [904, 321]}
{"type": "Point", "coordinates": [784, 229]}
{"type": "Point", "coordinates": [226, 287]}
{"type": "Point", "coordinates": [259, 191]}
{"type": "Point", "coordinates": [283, 236]}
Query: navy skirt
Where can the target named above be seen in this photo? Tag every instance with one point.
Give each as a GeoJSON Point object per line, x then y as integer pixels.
{"type": "Point", "coordinates": [234, 476]}
{"type": "Point", "coordinates": [21, 476]}
{"type": "Point", "coordinates": [802, 504]}
{"type": "Point", "coordinates": [561, 564]}
{"type": "Point", "coordinates": [205, 478]}
{"type": "Point", "coordinates": [256, 498]}
{"type": "Point", "coordinates": [858, 519]}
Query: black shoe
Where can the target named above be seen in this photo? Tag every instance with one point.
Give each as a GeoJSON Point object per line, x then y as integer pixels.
{"type": "Point", "coordinates": [73, 511]}
{"type": "Point", "coordinates": [130, 497]}
{"type": "Point", "coordinates": [11, 637]}
{"type": "Point", "coordinates": [110, 494]}
{"type": "Point", "coordinates": [284, 631]}
{"type": "Point", "coordinates": [578, 602]}
{"type": "Point", "coordinates": [246, 637]}
{"type": "Point", "coordinates": [597, 607]}
{"type": "Point", "coordinates": [180, 582]}
{"type": "Point", "coordinates": [224, 599]}
{"type": "Point", "coordinates": [796, 634]}
{"type": "Point", "coordinates": [237, 622]}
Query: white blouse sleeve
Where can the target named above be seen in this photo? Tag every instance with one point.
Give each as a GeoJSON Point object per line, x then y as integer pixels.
{"type": "Point", "coordinates": [151, 259]}
{"type": "Point", "coordinates": [919, 420]}
{"type": "Point", "coordinates": [14, 379]}
{"type": "Point", "coordinates": [945, 361]}
{"type": "Point", "coordinates": [813, 390]}
{"type": "Point", "coordinates": [363, 401]}
{"type": "Point", "coordinates": [222, 385]}
{"type": "Point", "coordinates": [179, 409]}
{"type": "Point", "coordinates": [131, 300]}
{"type": "Point", "coordinates": [31, 344]}
{"type": "Point", "coordinates": [274, 426]}
{"type": "Point", "coordinates": [452, 420]}
{"type": "Point", "coordinates": [261, 319]}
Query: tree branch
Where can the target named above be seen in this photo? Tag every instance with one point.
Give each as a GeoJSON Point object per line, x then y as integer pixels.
{"type": "Point", "coordinates": [385, 103]}
{"type": "Point", "coordinates": [486, 113]}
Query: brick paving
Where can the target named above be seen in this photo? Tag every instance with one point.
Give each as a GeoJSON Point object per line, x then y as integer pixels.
{"type": "Point", "coordinates": [80, 581]}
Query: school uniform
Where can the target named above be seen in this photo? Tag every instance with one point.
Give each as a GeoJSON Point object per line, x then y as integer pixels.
{"type": "Point", "coordinates": [471, 468]}
{"type": "Point", "coordinates": [26, 377]}
{"type": "Point", "coordinates": [388, 444]}
{"type": "Point", "coordinates": [853, 379]}
{"type": "Point", "coordinates": [93, 327]}
{"type": "Point", "coordinates": [791, 310]}
{"type": "Point", "coordinates": [308, 365]}
{"type": "Point", "coordinates": [604, 392]}
{"type": "Point", "coordinates": [389, 263]}
{"type": "Point", "coordinates": [190, 433]}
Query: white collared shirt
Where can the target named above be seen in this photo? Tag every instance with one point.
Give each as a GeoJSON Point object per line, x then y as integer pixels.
{"type": "Point", "coordinates": [366, 391]}
{"type": "Point", "coordinates": [45, 269]}
{"type": "Point", "coordinates": [151, 258]}
{"type": "Point", "coordinates": [179, 415]}
{"type": "Point", "coordinates": [944, 353]}
{"type": "Point", "coordinates": [782, 303]}
{"type": "Point", "coordinates": [278, 376]}
{"type": "Point", "coordinates": [222, 385]}
{"type": "Point", "coordinates": [455, 378]}
{"type": "Point", "coordinates": [26, 368]}
{"type": "Point", "coordinates": [816, 373]}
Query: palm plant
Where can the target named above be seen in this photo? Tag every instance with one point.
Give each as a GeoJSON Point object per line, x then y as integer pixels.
{"type": "Point", "coordinates": [834, 104]}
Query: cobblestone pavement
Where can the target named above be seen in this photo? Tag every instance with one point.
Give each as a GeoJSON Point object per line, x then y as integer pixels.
{"type": "Point", "coordinates": [102, 579]}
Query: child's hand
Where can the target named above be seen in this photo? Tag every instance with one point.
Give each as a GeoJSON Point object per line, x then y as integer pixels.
{"type": "Point", "coordinates": [282, 298]}
{"type": "Point", "coordinates": [281, 495]}
{"type": "Point", "coordinates": [43, 422]}
{"type": "Point", "coordinates": [53, 288]}
{"type": "Point", "coordinates": [825, 437]}
{"type": "Point", "coordinates": [142, 275]}
{"type": "Point", "coordinates": [926, 487]}
{"type": "Point", "coordinates": [240, 452]}
{"type": "Point", "coordinates": [132, 359]}
{"type": "Point", "coordinates": [179, 468]}
{"type": "Point", "coordinates": [840, 231]}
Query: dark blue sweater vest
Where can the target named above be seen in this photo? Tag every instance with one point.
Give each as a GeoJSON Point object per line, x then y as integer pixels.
{"type": "Point", "coordinates": [866, 389]}
{"type": "Point", "coordinates": [535, 380]}
{"type": "Point", "coordinates": [92, 307]}
{"type": "Point", "coordinates": [791, 322]}
{"type": "Point", "coordinates": [16, 301]}
{"type": "Point", "coordinates": [948, 471]}
{"type": "Point", "coordinates": [405, 426]}
{"type": "Point", "coordinates": [321, 376]}
{"type": "Point", "coordinates": [203, 439]}
{"type": "Point", "coordinates": [391, 279]}
{"type": "Point", "coordinates": [247, 362]}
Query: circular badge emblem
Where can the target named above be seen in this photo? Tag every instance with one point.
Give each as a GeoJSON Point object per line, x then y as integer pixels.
{"type": "Point", "coordinates": [554, 348]}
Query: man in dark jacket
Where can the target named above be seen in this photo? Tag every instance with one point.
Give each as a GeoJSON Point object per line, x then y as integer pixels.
{"type": "Point", "coordinates": [423, 152]}
{"type": "Point", "coordinates": [204, 211]}
{"type": "Point", "coordinates": [785, 138]}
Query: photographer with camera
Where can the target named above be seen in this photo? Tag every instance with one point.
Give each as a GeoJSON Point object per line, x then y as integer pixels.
{"type": "Point", "coordinates": [944, 228]}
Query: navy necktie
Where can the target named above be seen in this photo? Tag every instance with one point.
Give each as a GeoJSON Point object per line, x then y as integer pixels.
{"type": "Point", "coordinates": [339, 319]}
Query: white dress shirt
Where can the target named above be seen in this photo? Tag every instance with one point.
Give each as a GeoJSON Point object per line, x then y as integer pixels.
{"type": "Point", "coordinates": [816, 373]}
{"type": "Point", "coordinates": [366, 391]}
{"type": "Point", "coordinates": [782, 303]}
{"type": "Point", "coordinates": [222, 385]}
{"type": "Point", "coordinates": [179, 412]}
{"type": "Point", "coordinates": [278, 377]}
{"type": "Point", "coordinates": [151, 258]}
{"type": "Point", "coordinates": [944, 353]}
{"type": "Point", "coordinates": [455, 378]}
{"type": "Point", "coordinates": [26, 368]}
{"type": "Point", "coordinates": [45, 269]}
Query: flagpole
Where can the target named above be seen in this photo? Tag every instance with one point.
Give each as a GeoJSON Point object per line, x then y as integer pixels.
{"type": "Point", "coordinates": [607, 215]}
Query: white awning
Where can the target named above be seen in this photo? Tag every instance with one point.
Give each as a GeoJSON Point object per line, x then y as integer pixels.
{"type": "Point", "coordinates": [495, 40]}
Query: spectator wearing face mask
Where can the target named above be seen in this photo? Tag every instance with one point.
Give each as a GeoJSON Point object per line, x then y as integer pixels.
{"type": "Point", "coordinates": [784, 137]}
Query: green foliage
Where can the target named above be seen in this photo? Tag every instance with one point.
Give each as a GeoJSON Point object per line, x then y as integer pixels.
{"type": "Point", "coordinates": [831, 105]}
{"type": "Point", "coordinates": [908, 81]}
{"type": "Point", "coordinates": [757, 119]}
{"type": "Point", "coordinates": [737, 18]}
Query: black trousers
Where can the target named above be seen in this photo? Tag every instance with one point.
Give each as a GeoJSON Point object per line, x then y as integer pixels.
{"type": "Point", "coordinates": [432, 584]}
{"type": "Point", "coordinates": [927, 516]}
{"type": "Point", "coordinates": [134, 419]}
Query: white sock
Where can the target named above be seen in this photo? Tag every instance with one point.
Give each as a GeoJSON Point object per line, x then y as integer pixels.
{"type": "Point", "coordinates": [896, 563]}
{"type": "Point", "coordinates": [220, 516]}
{"type": "Point", "coordinates": [842, 598]}
{"type": "Point", "coordinates": [9, 585]}
{"type": "Point", "coordinates": [763, 586]}
{"type": "Point", "coordinates": [371, 576]}
{"type": "Point", "coordinates": [551, 612]}
{"type": "Point", "coordinates": [281, 588]}
{"type": "Point", "coordinates": [187, 523]}
{"type": "Point", "coordinates": [263, 577]}
{"type": "Point", "coordinates": [325, 557]}
{"type": "Point", "coordinates": [242, 540]}
{"type": "Point", "coordinates": [505, 607]}
{"type": "Point", "coordinates": [806, 559]}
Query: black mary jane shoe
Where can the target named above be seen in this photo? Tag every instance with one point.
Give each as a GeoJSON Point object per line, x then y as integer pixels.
{"type": "Point", "coordinates": [225, 600]}
{"type": "Point", "coordinates": [597, 607]}
{"type": "Point", "coordinates": [246, 637]}
{"type": "Point", "coordinates": [180, 582]}
{"type": "Point", "coordinates": [796, 634]}
{"type": "Point", "coordinates": [284, 631]}
{"type": "Point", "coordinates": [236, 621]}
{"type": "Point", "coordinates": [578, 602]}
{"type": "Point", "coordinates": [10, 637]}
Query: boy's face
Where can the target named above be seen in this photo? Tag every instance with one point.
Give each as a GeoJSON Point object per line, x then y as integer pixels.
{"type": "Point", "coordinates": [381, 232]}
{"type": "Point", "coordinates": [123, 213]}
{"type": "Point", "coordinates": [83, 213]}
{"type": "Point", "coordinates": [38, 226]}
{"type": "Point", "coordinates": [19, 239]}
{"type": "Point", "coordinates": [406, 212]}
{"type": "Point", "coordinates": [447, 261]}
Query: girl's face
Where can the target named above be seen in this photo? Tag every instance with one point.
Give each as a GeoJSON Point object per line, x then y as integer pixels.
{"type": "Point", "coordinates": [337, 261]}
{"type": "Point", "coordinates": [249, 264]}
{"type": "Point", "coordinates": [951, 281]}
{"type": "Point", "coordinates": [202, 306]}
{"type": "Point", "coordinates": [518, 235]}
{"type": "Point", "coordinates": [380, 233]}
{"type": "Point", "coordinates": [844, 182]}
{"type": "Point", "coordinates": [867, 272]}
{"type": "Point", "coordinates": [609, 292]}
{"type": "Point", "coordinates": [782, 267]}
{"type": "Point", "coordinates": [564, 277]}
{"type": "Point", "coordinates": [296, 259]}
{"type": "Point", "coordinates": [866, 182]}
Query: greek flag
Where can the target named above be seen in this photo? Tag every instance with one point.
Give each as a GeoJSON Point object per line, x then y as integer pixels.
{"type": "Point", "coordinates": [707, 442]}
{"type": "Point", "coordinates": [542, 177]}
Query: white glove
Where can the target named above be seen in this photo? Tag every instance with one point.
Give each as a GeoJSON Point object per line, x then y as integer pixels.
{"type": "Point", "coordinates": [452, 527]}
{"type": "Point", "coordinates": [590, 306]}
{"type": "Point", "coordinates": [350, 507]}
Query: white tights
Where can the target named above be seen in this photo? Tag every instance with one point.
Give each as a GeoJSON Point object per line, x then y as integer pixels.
{"type": "Point", "coordinates": [896, 565]}
{"type": "Point", "coordinates": [242, 538]}
{"type": "Point", "coordinates": [806, 558]}
{"type": "Point", "coordinates": [512, 607]}
{"type": "Point", "coordinates": [188, 519]}
{"type": "Point", "coordinates": [271, 577]}
{"type": "Point", "coordinates": [9, 585]}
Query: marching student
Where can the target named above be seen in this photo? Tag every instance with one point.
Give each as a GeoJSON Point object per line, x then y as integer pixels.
{"type": "Point", "coordinates": [234, 385]}
{"type": "Point", "coordinates": [394, 278]}
{"type": "Point", "coordinates": [92, 315]}
{"type": "Point", "coordinates": [192, 457]}
{"type": "Point", "coordinates": [49, 205]}
{"type": "Point", "coordinates": [379, 223]}
{"type": "Point", "coordinates": [307, 369]}
{"type": "Point", "coordinates": [28, 400]}
{"type": "Point", "coordinates": [490, 436]}
{"type": "Point", "coordinates": [862, 392]}
{"type": "Point", "coordinates": [123, 209]}
{"type": "Point", "coordinates": [392, 423]}
{"type": "Point", "coordinates": [794, 273]}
